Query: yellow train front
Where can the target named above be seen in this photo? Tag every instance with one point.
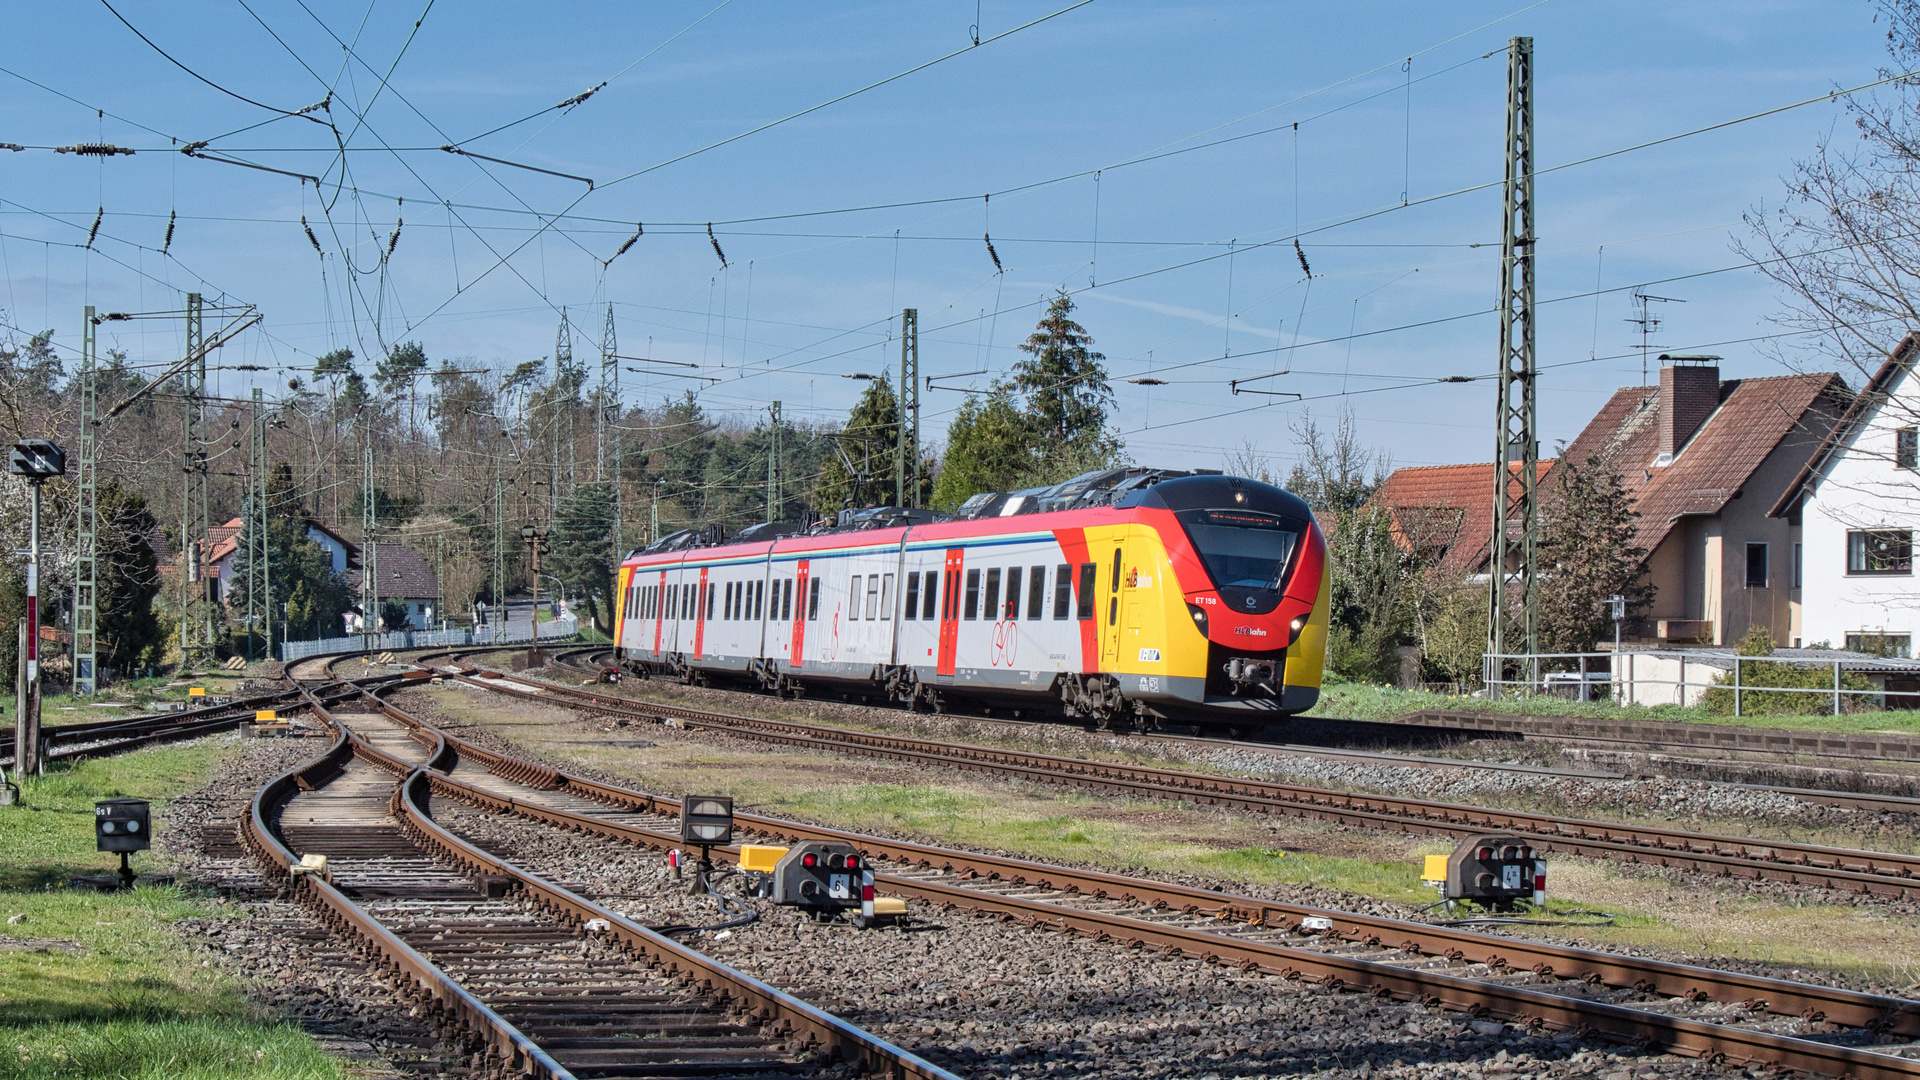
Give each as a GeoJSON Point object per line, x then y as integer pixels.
{"type": "Point", "coordinates": [1123, 597]}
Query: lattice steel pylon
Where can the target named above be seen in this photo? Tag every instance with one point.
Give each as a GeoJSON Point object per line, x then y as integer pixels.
{"type": "Point", "coordinates": [773, 462]}
{"type": "Point", "coordinates": [499, 614]}
{"type": "Point", "coordinates": [906, 442]}
{"type": "Point", "coordinates": [564, 378]}
{"type": "Point", "coordinates": [1512, 625]}
{"type": "Point", "coordinates": [607, 429]}
{"type": "Point", "coordinates": [86, 672]}
{"type": "Point", "coordinates": [196, 607]}
{"type": "Point", "coordinates": [257, 518]}
{"type": "Point", "coordinates": [369, 548]}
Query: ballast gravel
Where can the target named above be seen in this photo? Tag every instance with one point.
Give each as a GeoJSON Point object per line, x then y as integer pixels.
{"type": "Point", "coordinates": [987, 998]}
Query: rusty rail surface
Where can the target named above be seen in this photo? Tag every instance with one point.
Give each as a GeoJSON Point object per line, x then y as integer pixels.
{"type": "Point", "coordinates": [1878, 1013]}
{"type": "Point", "coordinates": [507, 1047]}
{"type": "Point", "coordinates": [1877, 873]}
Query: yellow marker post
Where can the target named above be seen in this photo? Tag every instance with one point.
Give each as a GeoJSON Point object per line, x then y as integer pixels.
{"type": "Point", "coordinates": [197, 691]}
{"type": "Point", "coordinates": [265, 716]}
{"type": "Point", "coordinates": [1435, 871]}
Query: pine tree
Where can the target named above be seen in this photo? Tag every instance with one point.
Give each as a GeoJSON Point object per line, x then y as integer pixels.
{"type": "Point", "coordinates": [307, 593]}
{"type": "Point", "coordinates": [990, 447]}
{"type": "Point", "coordinates": [582, 555]}
{"type": "Point", "coordinates": [1586, 555]}
{"type": "Point", "coordinates": [1064, 381]}
{"type": "Point", "coordinates": [127, 578]}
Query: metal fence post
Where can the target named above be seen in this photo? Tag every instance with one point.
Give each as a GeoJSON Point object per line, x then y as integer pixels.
{"type": "Point", "coordinates": [1736, 685]}
{"type": "Point", "coordinates": [1836, 688]}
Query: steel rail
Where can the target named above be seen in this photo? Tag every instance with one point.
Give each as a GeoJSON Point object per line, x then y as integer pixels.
{"type": "Point", "coordinates": [1780, 861]}
{"type": "Point", "coordinates": [782, 1011]}
{"type": "Point", "coordinates": [446, 1004]}
{"type": "Point", "coordinates": [1526, 1005]}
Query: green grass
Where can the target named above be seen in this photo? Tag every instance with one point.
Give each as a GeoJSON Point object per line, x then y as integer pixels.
{"type": "Point", "coordinates": [981, 822]}
{"type": "Point", "coordinates": [95, 985]}
{"type": "Point", "coordinates": [1366, 701]}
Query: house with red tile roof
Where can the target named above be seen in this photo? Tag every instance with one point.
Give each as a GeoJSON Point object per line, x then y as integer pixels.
{"type": "Point", "coordinates": [224, 540]}
{"type": "Point", "coordinates": [1705, 459]}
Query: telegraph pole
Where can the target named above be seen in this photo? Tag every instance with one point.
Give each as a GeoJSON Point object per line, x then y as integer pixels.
{"type": "Point", "coordinates": [906, 441]}
{"type": "Point", "coordinates": [87, 529]}
{"type": "Point", "coordinates": [1511, 570]}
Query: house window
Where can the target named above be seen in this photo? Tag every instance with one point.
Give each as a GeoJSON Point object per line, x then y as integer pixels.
{"type": "Point", "coordinates": [1880, 551]}
{"type": "Point", "coordinates": [1798, 565]}
{"type": "Point", "coordinates": [1906, 448]}
{"type": "Point", "coordinates": [910, 609]}
{"type": "Point", "coordinates": [1881, 644]}
{"type": "Point", "coordinates": [1756, 566]}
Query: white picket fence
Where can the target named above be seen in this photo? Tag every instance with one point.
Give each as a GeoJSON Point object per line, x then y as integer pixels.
{"type": "Point", "coordinates": [558, 630]}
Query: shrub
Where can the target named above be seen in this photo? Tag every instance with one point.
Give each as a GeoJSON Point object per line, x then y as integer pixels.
{"type": "Point", "coordinates": [1784, 678]}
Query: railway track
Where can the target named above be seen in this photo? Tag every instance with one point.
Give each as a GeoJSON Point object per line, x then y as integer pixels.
{"type": "Point", "coordinates": [595, 660]}
{"type": "Point", "coordinates": [1876, 873]}
{"type": "Point", "coordinates": [526, 976]}
{"type": "Point", "coordinates": [1701, 1011]}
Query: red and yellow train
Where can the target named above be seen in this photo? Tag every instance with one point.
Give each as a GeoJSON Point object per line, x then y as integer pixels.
{"type": "Point", "coordinates": [1125, 597]}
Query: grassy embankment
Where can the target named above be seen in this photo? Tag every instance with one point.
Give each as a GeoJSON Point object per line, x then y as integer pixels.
{"type": "Point", "coordinates": [1366, 701]}
{"type": "Point", "coordinates": [98, 985]}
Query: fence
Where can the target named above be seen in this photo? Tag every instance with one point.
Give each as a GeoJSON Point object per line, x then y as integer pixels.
{"type": "Point", "coordinates": [558, 630]}
{"type": "Point", "coordinates": [1683, 678]}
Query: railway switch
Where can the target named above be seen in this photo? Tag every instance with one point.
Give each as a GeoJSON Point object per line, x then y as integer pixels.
{"type": "Point", "coordinates": [1496, 870]}
{"type": "Point", "coordinates": [123, 826]}
{"type": "Point", "coordinates": [824, 876]}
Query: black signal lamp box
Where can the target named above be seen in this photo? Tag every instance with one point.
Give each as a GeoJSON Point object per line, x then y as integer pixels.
{"type": "Point", "coordinates": [122, 825]}
{"type": "Point", "coordinates": [707, 820]}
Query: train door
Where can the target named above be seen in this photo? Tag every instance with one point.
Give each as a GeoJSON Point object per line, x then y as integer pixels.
{"type": "Point", "coordinates": [700, 616]}
{"type": "Point", "coordinates": [950, 611]}
{"type": "Point", "coordinates": [659, 612]}
{"type": "Point", "coordinates": [1109, 615]}
{"type": "Point", "coordinates": [802, 573]}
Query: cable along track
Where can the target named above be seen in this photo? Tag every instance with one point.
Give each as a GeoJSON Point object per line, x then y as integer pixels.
{"type": "Point", "coordinates": [499, 961]}
{"type": "Point", "coordinates": [1700, 1011]}
{"type": "Point", "coordinates": [1847, 870]}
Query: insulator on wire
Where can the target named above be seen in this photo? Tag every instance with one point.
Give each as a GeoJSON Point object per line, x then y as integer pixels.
{"type": "Point", "coordinates": [716, 246]}
{"type": "Point", "coordinates": [167, 243]}
{"type": "Point", "coordinates": [394, 240]}
{"type": "Point", "coordinates": [94, 232]}
{"type": "Point", "coordinates": [312, 239]}
{"type": "Point", "coordinates": [1302, 256]}
{"type": "Point", "coordinates": [997, 268]}
{"type": "Point", "coordinates": [638, 231]}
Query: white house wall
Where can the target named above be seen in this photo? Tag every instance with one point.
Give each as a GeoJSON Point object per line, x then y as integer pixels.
{"type": "Point", "coordinates": [1860, 488]}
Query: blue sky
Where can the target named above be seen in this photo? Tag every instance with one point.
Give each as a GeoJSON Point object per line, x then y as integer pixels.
{"type": "Point", "coordinates": [1183, 266]}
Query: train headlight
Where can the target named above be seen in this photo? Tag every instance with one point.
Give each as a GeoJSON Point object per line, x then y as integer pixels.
{"type": "Point", "coordinates": [1199, 618]}
{"type": "Point", "coordinates": [1293, 628]}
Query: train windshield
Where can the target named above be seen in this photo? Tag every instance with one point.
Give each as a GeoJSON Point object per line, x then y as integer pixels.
{"type": "Point", "coordinates": [1241, 548]}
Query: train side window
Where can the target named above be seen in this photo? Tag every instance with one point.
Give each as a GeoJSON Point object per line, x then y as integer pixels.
{"type": "Point", "coordinates": [886, 597]}
{"type": "Point", "coordinates": [1012, 610]}
{"type": "Point", "coordinates": [873, 596]}
{"type": "Point", "coordinates": [1036, 590]}
{"type": "Point", "coordinates": [1116, 570]}
{"type": "Point", "coordinates": [759, 600]}
{"type": "Point", "coordinates": [673, 600]}
{"type": "Point", "coordinates": [933, 589]}
{"type": "Point", "coordinates": [688, 600]}
{"type": "Point", "coordinates": [786, 600]}
{"type": "Point", "coordinates": [1087, 572]}
{"type": "Point", "coordinates": [910, 608]}
{"type": "Point", "coordinates": [853, 598]}
{"type": "Point", "coordinates": [991, 609]}
{"type": "Point", "coordinates": [1062, 590]}
{"type": "Point", "coordinates": [813, 600]}
{"type": "Point", "coordinates": [710, 590]}
{"type": "Point", "coordinates": [972, 610]}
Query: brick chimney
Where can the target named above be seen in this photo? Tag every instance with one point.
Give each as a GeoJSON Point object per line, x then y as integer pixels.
{"type": "Point", "coordinates": [1689, 392]}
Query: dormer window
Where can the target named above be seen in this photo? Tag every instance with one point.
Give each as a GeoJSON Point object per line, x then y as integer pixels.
{"type": "Point", "coordinates": [1906, 448]}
